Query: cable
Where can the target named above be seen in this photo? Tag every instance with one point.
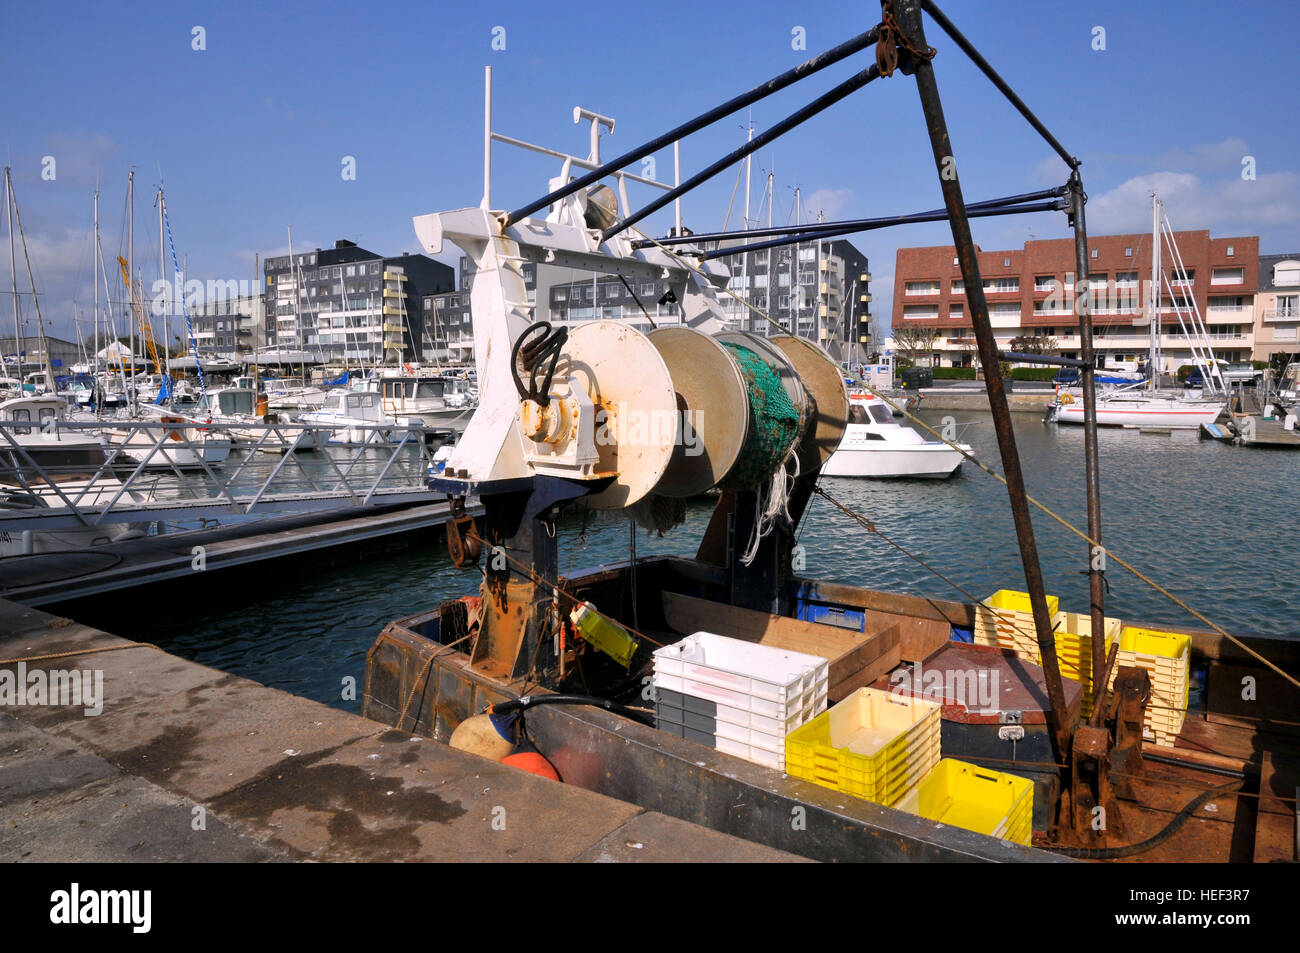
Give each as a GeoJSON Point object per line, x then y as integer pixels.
{"type": "Point", "coordinates": [1170, 829]}
{"type": "Point", "coordinates": [524, 702]}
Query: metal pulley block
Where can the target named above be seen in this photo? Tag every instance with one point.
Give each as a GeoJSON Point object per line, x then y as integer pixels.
{"type": "Point", "coordinates": [463, 548]}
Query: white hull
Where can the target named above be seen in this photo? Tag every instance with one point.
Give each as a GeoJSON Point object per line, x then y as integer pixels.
{"type": "Point", "coordinates": [1145, 412]}
{"type": "Point", "coordinates": [927, 461]}
{"type": "Point", "coordinates": [209, 448]}
{"type": "Point", "coordinates": [876, 447]}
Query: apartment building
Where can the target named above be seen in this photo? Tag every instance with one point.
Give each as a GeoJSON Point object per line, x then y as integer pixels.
{"type": "Point", "coordinates": [1277, 306]}
{"type": "Point", "coordinates": [1031, 293]}
{"type": "Point", "coordinates": [827, 299]}
{"type": "Point", "coordinates": [349, 304]}
{"type": "Point", "coordinates": [226, 327]}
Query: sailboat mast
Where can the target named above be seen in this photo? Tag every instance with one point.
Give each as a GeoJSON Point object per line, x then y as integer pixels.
{"type": "Point", "coordinates": [1153, 298]}
{"type": "Point", "coordinates": [94, 283]}
{"type": "Point", "coordinates": [130, 268]}
{"type": "Point", "coordinates": [167, 298]}
{"type": "Point", "coordinates": [13, 271]}
{"type": "Point", "coordinates": [36, 302]}
{"type": "Point", "coordinates": [771, 276]}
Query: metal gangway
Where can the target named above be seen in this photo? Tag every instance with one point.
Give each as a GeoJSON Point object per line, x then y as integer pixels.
{"type": "Point", "coordinates": [155, 483]}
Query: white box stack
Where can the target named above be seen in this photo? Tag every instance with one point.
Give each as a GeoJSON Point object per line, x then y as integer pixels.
{"type": "Point", "coordinates": [737, 696]}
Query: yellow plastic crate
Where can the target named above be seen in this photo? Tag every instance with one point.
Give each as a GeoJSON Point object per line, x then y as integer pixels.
{"type": "Point", "coordinates": [873, 744]}
{"type": "Point", "coordinates": [1005, 618]}
{"type": "Point", "coordinates": [977, 799]}
{"type": "Point", "coordinates": [1166, 657]}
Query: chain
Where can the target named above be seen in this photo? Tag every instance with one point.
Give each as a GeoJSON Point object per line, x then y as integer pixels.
{"type": "Point", "coordinates": [892, 38]}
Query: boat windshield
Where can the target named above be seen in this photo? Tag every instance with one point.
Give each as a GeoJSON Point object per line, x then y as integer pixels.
{"type": "Point", "coordinates": [858, 414]}
{"type": "Point", "coordinates": [235, 401]}
{"type": "Point", "coordinates": [429, 389]}
{"type": "Point", "coordinates": [881, 414]}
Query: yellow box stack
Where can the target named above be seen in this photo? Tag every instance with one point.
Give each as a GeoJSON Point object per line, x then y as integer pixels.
{"type": "Point", "coordinates": [1006, 621]}
{"type": "Point", "coordinates": [977, 799]}
{"type": "Point", "coordinates": [1074, 650]}
{"type": "Point", "coordinates": [1166, 656]}
{"type": "Point", "coordinates": [874, 745]}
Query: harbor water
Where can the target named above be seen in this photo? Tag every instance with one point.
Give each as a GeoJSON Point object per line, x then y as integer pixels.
{"type": "Point", "coordinates": [1212, 523]}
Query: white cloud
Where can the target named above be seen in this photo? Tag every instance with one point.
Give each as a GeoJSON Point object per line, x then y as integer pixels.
{"type": "Point", "coordinates": [827, 201]}
{"type": "Point", "coordinates": [1221, 205]}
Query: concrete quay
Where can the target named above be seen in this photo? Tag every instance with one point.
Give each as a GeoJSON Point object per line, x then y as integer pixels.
{"type": "Point", "coordinates": [188, 764]}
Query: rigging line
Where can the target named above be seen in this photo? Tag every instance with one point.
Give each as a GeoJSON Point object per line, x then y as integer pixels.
{"type": "Point", "coordinates": [557, 589]}
{"type": "Point", "coordinates": [971, 456]}
{"type": "Point", "coordinates": [638, 301]}
{"type": "Point", "coordinates": [872, 528]}
{"type": "Point", "coordinates": [1109, 553]}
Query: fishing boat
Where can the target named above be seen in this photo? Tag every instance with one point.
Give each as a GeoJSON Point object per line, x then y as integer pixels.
{"type": "Point", "coordinates": [714, 688]}
{"type": "Point", "coordinates": [876, 446]}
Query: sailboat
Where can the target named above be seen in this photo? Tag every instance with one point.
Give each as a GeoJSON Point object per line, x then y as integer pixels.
{"type": "Point", "coordinates": [1141, 404]}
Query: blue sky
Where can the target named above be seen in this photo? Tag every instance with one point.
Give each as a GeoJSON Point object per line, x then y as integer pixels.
{"type": "Point", "coordinates": [250, 133]}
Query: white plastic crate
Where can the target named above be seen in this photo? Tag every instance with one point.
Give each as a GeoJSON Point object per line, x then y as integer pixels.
{"type": "Point", "coordinates": [760, 694]}
{"type": "Point", "coordinates": [756, 678]}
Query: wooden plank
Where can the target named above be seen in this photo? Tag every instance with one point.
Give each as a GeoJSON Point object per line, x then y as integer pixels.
{"type": "Point", "coordinates": [887, 657]}
{"type": "Point", "coordinates": [1261, 710]}
{"type": "Point", "coordinates": [848, 652]}
{"type": "Point", "coordinates": [1275, 824]}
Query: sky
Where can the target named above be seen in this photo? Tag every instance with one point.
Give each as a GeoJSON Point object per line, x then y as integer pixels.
{"type": "Point", "coordinates": [247, 114]}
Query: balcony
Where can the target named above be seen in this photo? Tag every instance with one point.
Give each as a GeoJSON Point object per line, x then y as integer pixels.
{"type": "Point", "coordinates": [1282, 314]}
{"type": "Point", "coordinates": [394, 276]}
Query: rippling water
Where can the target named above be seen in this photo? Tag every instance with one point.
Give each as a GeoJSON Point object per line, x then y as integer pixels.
{"type": "Point", "coordinates": [1212, 523]}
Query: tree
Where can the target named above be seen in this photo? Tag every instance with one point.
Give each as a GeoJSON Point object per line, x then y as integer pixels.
{"type": "Point", "coordinates": [1034, 344]}
{"type": "Point", "coordinates": [914, 341]}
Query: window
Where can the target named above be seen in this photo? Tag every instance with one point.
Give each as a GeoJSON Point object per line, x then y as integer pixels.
{"type": "Point", "coordinates": [881, 414]}
{"type": "Point", "coordinates": [1001, 285]}
{"type": "Point", "coordinates": [1187, 277]}
{"type": "Point", "coordinates": [351, 271]}
{"type": "Point", "coordinates": [955, 261]}
{"type": "Point", "coordinates": [1286, 273]}
{"type": "Point", "coordinates": [1045, 283]}
{"type": "Point", "coordinates": [1006, 262]}
{"type": "Point", "coordinates": [959, 287]}
{"type": "Point", "coordinates": [1128, 251]}
{"type": "Point", "coordinates": [921, 288]}
{"type": "Point", "coordinates": [956, 310]}
{"type": "Point", "coordinates": [1094, 253]}
{"type": "Point", "coordinates": [920, 311]}
{"type": "Point", "coordinates": [1230, 251]}
{"type": "Point", "coordinates": [1227, 276]}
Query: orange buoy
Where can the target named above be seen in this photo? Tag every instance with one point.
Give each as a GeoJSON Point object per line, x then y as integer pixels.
{"type": "Point", "coordinates": [533, 763]}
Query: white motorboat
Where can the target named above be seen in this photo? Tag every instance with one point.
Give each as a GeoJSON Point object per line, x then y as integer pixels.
{"type": "Point", "coordinates": [356, 419]}
{"type": "Point", "coordinates": [292, 393]}
{"type": "Point", "coordinates": [45, 468]}
{"type": "Point", "coordinates": [236, 410]}
{"type": "Point", "coordinates": [875, 446]}
{"type": "Point", "coordinates": [433, 400]}
{"type": "Point", "coordinates": [188, 445]}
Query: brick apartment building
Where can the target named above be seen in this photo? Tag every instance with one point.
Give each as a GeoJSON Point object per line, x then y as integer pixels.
{"type": "Point", "coordinates": [1030, 293]}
